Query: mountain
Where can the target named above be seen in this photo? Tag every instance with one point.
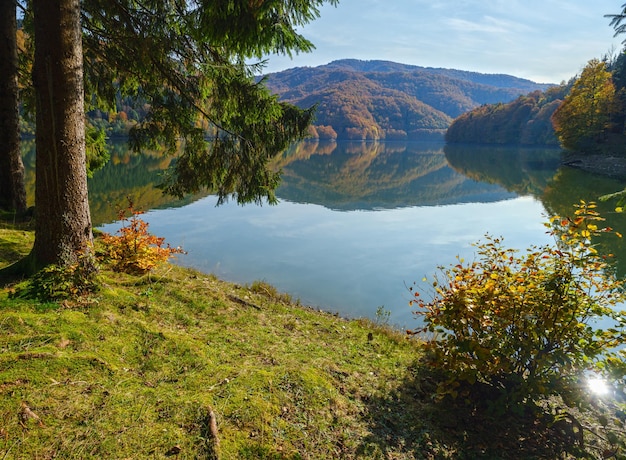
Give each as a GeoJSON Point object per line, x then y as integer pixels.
{"type": "Point", "coordinates": [387, 100]}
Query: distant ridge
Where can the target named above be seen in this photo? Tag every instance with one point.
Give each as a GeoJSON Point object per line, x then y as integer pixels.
{"type": "Point", "coordinates": [495, 79]}
{"type": "Point", "coordinates": [375, 100]}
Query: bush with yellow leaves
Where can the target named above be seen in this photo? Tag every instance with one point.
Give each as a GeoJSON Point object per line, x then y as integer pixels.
{"type": "Point", "coordinates": [526, 326]}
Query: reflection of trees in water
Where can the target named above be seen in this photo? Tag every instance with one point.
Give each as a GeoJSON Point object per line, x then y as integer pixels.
{"type": "Point", "coordinates": [537, 171]}
{"type": "Point", "coordinates": [339, 175]}
{"type": "Point", "coordinates": [28, 158]}
{"type": "Point", "coordinates": [523, 170]}
{"type": "Point", "coordinates": [127, 174]}
{"type": "Point", "coordinates": [572, 185]}
{"type": "Point", "coordinates": [366, 175]}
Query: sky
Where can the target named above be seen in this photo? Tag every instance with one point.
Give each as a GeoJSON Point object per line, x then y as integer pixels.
{"type": "Point", "coordinates": [546, 41]}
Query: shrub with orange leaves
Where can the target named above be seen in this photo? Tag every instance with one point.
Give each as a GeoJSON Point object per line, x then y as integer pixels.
{"type": "Point", "coordinates": [134, 250]}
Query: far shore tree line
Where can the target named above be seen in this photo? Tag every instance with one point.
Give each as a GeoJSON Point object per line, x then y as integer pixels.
{"type": "Point", "coordinates": [586, 114]}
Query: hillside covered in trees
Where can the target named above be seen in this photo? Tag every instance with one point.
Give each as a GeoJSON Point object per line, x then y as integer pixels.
{"type": "Point", "coordinates": [356, 100]}
{"type": "Point", "coordinates": [525, 121]}
{"type": "Point", "coordinates": [588, 114]}
{"type": "Point", "coordinates": [386, 100]}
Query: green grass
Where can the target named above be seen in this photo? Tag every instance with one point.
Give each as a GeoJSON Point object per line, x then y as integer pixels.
{"type": "Point", "coordinates": [138, 368]}
{"type": "Point", "coordinates": [16, 239]}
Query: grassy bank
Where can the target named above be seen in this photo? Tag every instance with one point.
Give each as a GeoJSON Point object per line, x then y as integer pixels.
{"type": "Point", "coordinates": [180, 364]}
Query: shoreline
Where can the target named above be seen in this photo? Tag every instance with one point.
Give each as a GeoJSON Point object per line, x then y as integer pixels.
{"type": "Point", "coordinates": [605, 164]}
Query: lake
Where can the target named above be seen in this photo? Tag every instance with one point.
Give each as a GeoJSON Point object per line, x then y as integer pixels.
{"type": "Point", "coordinates": [358, 223]}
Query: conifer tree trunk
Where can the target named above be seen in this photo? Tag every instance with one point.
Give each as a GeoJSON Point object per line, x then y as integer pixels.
{"type": "Point", "coordinates": [12, 191]}
{"type": "Point", "coordinates": [63, 223]}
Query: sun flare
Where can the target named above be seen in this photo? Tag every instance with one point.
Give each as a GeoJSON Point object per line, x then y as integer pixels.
{"type": "Point", "coordinates": [598, 386]}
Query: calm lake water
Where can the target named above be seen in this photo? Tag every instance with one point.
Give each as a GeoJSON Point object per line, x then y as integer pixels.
{"type": "Point", "coordinates": [358, 223]}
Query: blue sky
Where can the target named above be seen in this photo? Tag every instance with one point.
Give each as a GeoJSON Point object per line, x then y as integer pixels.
{"type": "Point", "coordinates": [545, 41]}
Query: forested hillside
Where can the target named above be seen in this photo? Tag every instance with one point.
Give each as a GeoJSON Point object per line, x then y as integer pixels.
{"type": "Point", "coordinates": [587, 114]}
{"type": "Point", "coordinates": [386, 100]}
{"type": "Point", "coordinates": [525, 121]}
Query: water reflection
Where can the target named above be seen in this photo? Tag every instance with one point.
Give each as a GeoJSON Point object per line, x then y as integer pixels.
{"type": "Point", "coordinates": [28, 158]}
{"type": "Point", "coordinates": [127, 174]}
{"type": "Point", "coordinates": [371, 175]}
{"type": "Point", "coordinates": [572, 185]}
{"type": "Point", "coordinates": [537, 172]}
{"type": "Point", "coordinates": [133, 175]}
{"type": "Point", "coordinates": [421, 213]}
{"type": "Point", "coordinates": [525, 171]}
{"type": "Point", "coordinates": [345, 175]}
{"type": "Point", "coordinates": [425, 205]}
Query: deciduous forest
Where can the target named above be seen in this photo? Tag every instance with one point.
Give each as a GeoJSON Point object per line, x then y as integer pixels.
{"type": "Point", "coordinates": [586, 114]}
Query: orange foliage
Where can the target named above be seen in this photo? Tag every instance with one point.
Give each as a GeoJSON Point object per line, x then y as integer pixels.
{"type": "Point", "coordinates": [134, 250]}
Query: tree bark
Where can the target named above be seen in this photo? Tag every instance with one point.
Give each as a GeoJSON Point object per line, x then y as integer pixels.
{"type": "Point", "coordinates": [12, 189]}
{"type": "Point", "coordinates": [62, 220]}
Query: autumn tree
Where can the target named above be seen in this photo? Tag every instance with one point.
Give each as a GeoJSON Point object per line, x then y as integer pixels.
{"type": "Point", "coordinates": [12, 190]}
{"type": "Point", "coordinates": [582, 120]}
{"type": "Point", "coordinates": [524, 121]}
{"type": "Point", "coordinates": [188, 59]}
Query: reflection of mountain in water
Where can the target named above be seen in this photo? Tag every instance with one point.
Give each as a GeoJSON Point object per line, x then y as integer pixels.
{"type": "Point", "coordinates": [343, 176]}
{"type": "Point", "coordinates": [358, 175]}
{"type": "Point", "coordinates": [348, 176]}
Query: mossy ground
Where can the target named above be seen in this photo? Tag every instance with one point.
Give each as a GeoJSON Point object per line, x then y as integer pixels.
{"type": "Point", "coordinates": [16, 238]}
{"type": "Point", "coordinates": [137, 370]}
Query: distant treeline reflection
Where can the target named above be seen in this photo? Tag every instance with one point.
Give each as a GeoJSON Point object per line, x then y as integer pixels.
{"type": "Point", "coordinates": [537, 172]}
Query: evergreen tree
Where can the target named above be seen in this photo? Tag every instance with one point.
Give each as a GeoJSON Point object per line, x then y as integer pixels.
{"type": "Point", "coordinates": [189, 60]}
{"type": "Point", "coordinates": [12, 190]}
{"type": "Point", "coordinates": [63, 222]}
